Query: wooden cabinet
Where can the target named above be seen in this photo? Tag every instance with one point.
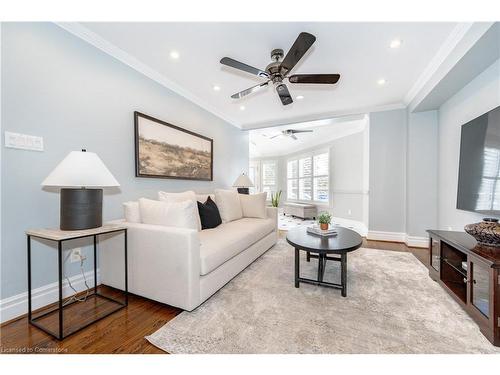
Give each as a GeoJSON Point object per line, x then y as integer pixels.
{"type": "Point", "coordinates": [471, 274]}
{"type": "Point", "coordinates": [435, 253]}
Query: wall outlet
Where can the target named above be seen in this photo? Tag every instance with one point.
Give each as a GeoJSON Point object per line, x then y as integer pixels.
{"type": "Point", "coordinates": [349, 212]}
{"type": "Point", "coordinates": [76, 255]}
{"type": "Point", "coordinates": [449, 228]}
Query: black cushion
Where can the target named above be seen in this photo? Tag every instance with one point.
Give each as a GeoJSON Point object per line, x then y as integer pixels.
{"type": "Point", "coordinates": [209, 214]}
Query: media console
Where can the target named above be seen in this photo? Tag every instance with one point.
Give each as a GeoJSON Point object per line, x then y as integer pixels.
{"type": "Point", "coordinates": [471, 275]}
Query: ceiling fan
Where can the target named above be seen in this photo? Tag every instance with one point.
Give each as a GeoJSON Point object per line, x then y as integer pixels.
{"type": "Point", "coordinates": [291, 133]}
{"type": "Point", "coordinates": [279, 69]}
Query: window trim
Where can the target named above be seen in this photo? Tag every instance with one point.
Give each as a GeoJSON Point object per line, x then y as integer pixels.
{"type": "Point", "coordinates": [296, 159]}
{"type": "Point", "coordinates": [276, 177]}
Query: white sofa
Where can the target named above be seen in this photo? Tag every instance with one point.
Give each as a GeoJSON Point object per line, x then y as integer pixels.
{"type": "Point", "coordinates": [184, 267]}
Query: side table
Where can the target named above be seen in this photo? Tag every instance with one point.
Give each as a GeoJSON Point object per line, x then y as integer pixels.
{"type": "Point", "coordinates": [60, 237]}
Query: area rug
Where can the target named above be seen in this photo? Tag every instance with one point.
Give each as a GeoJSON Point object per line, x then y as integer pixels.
{"type": "Point", "coordinates": [392, 306]}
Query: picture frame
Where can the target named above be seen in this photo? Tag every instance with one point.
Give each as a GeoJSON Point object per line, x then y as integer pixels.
{"type": "Point", "coordinates": [163, 150]}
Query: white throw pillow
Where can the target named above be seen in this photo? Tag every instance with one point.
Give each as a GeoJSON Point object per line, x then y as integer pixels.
{"type": "Point", "coordinates": [228, 203]}
{"type": "Point", "coordinates": [175, 214]}
{"type": "Point", "coordinates": [132, 212]}
{"type": "Point", "coordinates": [254, 205]}
{"type": "Point", "coordinates": [180, 197]}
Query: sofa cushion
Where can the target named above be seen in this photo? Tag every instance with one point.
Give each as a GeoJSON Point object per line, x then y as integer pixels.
{"type": "Point", "coordinates": [209, 214]}
{"type": "Point", "coordinates": [228, 202]}
{"type": "Point", "coordinates": [220, 244]}
{"type": "Point", "coordinates": [132, 212]}
{"type": "Point", "coordinates": [176, 214]}
{"type": "Point", "coordinates": [180, 197]}
{"type": "Point", "coordinates": [254, 205]}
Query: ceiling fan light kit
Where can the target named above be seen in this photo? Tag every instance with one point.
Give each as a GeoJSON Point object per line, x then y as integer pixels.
{"type": "Point", "coordinates": [277, 71]}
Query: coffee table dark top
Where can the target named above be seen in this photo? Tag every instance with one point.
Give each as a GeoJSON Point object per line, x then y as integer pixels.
{"type": "Point", "coordinates": [346, 240]}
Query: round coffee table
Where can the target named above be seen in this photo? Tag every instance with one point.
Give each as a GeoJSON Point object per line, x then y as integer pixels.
{"type": "Point", "coordinates": [323, 249]}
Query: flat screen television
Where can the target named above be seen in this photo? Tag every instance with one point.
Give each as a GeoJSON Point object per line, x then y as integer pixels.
{"type": "Point", "coordinates": [479, 168]}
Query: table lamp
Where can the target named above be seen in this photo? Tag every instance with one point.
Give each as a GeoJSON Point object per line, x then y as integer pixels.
{"type": "Point", "coordinates": [81, 177]}
{"type": "Point", "coordinates": [243, 183]}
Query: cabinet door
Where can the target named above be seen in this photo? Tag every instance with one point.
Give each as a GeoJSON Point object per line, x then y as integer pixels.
{"type": "Point", "coordinates": [435, 254]}
{"type": "Point", "coordinates": [479, 279]}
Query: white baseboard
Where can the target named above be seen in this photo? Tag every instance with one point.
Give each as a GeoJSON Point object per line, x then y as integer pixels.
{"type": "Point", "coordinates": [358, 226]}
{"type": "Point", "coordinates": [17, 305]}
{"type": "Point", "coordinates": [386, 236]}
{"type": "Point", "coordinates": [415, 241]}
{"type": "Point", "coordinates": [411, 241]}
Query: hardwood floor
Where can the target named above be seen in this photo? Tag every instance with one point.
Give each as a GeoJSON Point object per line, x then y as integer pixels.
{"type": "Point", "coordinates": [123, 331]}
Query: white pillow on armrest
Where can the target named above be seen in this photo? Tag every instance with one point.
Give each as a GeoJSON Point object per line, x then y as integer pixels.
{"type": "Point", "coordinates": [131, 212]}
{"type": "Point", "coordinates": [176, 214]}
{"type": "Point", "coordinates": [254, 205]}
{"type": "Point", "coordinates": [228, 203]}
{"type": "Point", "coordinates": [180, 197]}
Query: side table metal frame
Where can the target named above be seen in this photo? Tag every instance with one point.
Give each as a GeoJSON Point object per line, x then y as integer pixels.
{"type": "Point", "coordinates": [60, 308]}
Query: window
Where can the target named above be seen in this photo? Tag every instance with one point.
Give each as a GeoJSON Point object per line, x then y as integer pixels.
{"type": "Point", "coordinates": [307, 178]}
{"type": "Point", "coordinates": [489, 190]}
{"type": "Point", "coordinates": [269, 177]}
{"type": "Point", "coordinates": [252, 174]}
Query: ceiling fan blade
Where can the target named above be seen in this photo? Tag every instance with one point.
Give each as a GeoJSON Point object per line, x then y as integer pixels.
{"type": "Point", "coordinates": [241, 66]}
{"type": "Point", "coordinates": [243, 93]}
{"type": "Point", "coordinates": [293, 137]}
{"type": "Point", "coordinates": [284, 94]}
{"type": "Point", "coordinates": [314, 78]}
{"type": "Point", "coordinates": [293, 131]}
{"type": "Point", "coordinates": [274, 136]}
{"type": "Point", "coordinates": [303, 42]}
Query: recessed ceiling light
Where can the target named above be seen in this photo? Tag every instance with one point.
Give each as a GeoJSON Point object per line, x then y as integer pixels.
{"type": "Point", "coordinates": [242, 107]}
{"type": "Point", "coordinates": [216, 88]}
{"type": "Point", "coordinates": [381, 81]}
{"type": "Point", "coordinates": [299, 97]}
{"type": "Point", "coordinates": [396, 43]}
{"type": "Point", "coordinates": [174, 55]}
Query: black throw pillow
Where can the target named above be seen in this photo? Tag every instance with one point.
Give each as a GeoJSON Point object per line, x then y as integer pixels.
{"type": "Point", "coordinates": [209, 214]}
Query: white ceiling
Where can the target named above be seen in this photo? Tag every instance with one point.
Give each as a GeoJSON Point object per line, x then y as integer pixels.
{"type": "Point", "coordinates": [358, 51]}
{"type": "Point", "coordinates": [324, 131]}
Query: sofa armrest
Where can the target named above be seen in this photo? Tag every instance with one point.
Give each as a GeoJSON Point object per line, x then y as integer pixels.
{"type": "Point", "coordinates": [272, 213]}
{"type": "Point", "coordinates": [163, 263]}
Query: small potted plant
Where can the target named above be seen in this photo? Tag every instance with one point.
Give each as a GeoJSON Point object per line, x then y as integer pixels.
{"type": "Point", "coordinates": [275, 199]}
{"type": "Point", "coordinates": [324, 220]}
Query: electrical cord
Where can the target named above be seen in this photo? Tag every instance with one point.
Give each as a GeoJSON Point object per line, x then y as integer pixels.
{"type": "Point", "coordinates": [73, 297]}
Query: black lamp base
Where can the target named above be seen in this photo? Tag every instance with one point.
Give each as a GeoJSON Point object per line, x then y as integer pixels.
{"type": "Point", "coordinates": [243, 191]}
{"type": "Point", "coordinates": [81, 209]}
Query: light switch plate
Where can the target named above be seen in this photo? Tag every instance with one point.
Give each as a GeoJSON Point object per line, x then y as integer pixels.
{"type": "Point", "coordinates": [23, 141]}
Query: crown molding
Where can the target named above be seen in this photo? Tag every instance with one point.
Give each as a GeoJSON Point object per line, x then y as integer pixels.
{"type": "Point", "coordinates": [444, 51]}
{"type": "Point", "coordinates": [97, 41]}
{"type": "Point", "coordinates": [462, 38]}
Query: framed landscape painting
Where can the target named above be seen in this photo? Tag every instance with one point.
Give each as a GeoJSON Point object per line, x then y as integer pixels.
{"type": "Point", "coordinates": [163, 150]}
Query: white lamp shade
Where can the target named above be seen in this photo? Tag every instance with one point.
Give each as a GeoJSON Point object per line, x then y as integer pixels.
{"type": "Point", "coordinates": [243, 182]}
{"type": "Point", "coordinates": [81, 169]}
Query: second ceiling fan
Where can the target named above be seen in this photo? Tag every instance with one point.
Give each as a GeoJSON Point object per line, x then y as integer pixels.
{"type": "Point", "coordinates": [278, 70]}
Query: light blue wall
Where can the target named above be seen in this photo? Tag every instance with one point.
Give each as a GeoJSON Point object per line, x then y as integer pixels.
{"type": "Point", "coordinates": [479, 96]}
{"type": "Point", "coordinates": [421, 173]}
{"type": "Point", "coordinates": [387, 171]}
{"type": "Point", "coordinates": [73, 95]}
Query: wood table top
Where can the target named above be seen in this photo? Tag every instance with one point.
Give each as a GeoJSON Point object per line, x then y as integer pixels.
{"type": "Point", "coordinates": [61, 235]}
{"type": "Point", "coordinates": [346, 240]}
